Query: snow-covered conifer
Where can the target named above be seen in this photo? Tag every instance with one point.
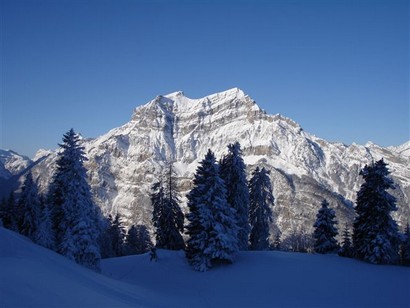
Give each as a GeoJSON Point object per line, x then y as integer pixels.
{"type": "Point", "coordinates": [260, 212]}
{"type": "Point", "coordinates": [346, 248]}
{"type": "Point", "coordinates": [325, 230]}
{"type": "Point", "coordinates": [29, 203]}
{"type": "Point", "coordinates": [233, 172]}
{"type": "Point", "coordinates": [75, 216]}
{"type": "Point", "coordinates": [167, 216]}
{"type": "Point", "coordinates": [375, 232]}
{"type": "Point", "coordinates": [44, 235]}
{"type": "Point", "coordinates": [212, 227]}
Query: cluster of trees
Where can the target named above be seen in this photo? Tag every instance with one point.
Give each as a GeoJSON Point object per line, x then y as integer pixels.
{"type": "Point", "coordinates": [66, 219]}
{"type": "Point", "coordinates": [376, 238]}
{"type": "Point", "coordinates": [226, 213]}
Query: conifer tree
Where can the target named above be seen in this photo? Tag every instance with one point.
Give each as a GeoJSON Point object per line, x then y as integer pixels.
{"type": "Point", "coordinates": [117, 232]}
{"type": "Point", "coordinates": [212, 227]}
{"type": "Point", "coordinates": [167, 216]}
{"type": "Point", "coordinates": [375, 233]}
{"type": "Point", "coordinates": [406, 246]}
{"type": "Point", "coordinates": [325, 230]}
{"type": "Point", "coordinates": [261, 201]}
{"type": "Point", "coordinates": [233, 172]}
{"type": "Point", "coordinates": [346, 248]}
{"type": "Point", "coordinates": [8, 212]}
{"type": "Point", "coordinates": [138, 240]}
{"type": "Point", "coordinates": [44, 235]}
{"type": "Point", "coordinates": [29, 204]}
{"type": "Point", "coordinates": [75, 216]}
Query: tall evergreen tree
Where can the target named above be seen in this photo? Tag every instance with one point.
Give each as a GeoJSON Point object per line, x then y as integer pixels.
{"type": "Point", "coordinates": [261, 201]}
{"type": "Point", "coordinates": [75, 216]}
{"type": "Point", "coordinates": [346, 248]}
{"type": "Point", "coordinates": [233, 172]}
{"type": "Point", "coordinates": [375, 233]}
{"type": "Point", "coordinates": [212, 227]}
{"type": "Point", "coordinates": [325, 230]}
{"type": "Point", "coordinates": [167, 215]}
{"type": "Point", "coordinates": [29, 204]}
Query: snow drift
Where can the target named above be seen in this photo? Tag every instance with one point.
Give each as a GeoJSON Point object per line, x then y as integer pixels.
{"type": "Point", "coordinates": [32, 276]}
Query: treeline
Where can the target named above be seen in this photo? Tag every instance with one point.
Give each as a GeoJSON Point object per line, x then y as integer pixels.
{"type": "Point", "coordinates": [226, 214]}
{"type": "Point", "coordinates": [66, 219]}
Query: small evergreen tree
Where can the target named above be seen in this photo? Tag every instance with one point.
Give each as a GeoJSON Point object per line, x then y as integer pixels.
{"type": "Point", "coordinates": [375, 233]}
{"type": "Point", "coordinates": [212, 227]}
{"type": "Point", "coordinates": [117, 235]}
{"type": "Point", "coordinates": [44, 235]}
{"type": "Point", "coordinates": [406, 246]}
{"type": "Point", "coordinates": [76, 218]}
{"type": "Point", "coordinates": [167, 216]}
{"type": "Point", "coordinates": [8, 212]}
{"type": "Point", "coordinates": [138, 240]}
{"type": "Point", "coordinates": [233, 172]}
{"type": "Point", "coordinates": [325, 230]}
{"type": "Point", "coordinates": [29, 203]}
{"type": "Point", "coordinates": [261, 201]}
{"type": "Point", "coordinates": [346, 248]}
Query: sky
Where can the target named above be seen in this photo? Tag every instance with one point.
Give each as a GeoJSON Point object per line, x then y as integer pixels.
{"type": "Point", "coordinates": [338, 68]}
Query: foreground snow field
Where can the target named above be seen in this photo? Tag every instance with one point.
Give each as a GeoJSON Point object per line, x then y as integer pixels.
{"type": "Point", "coordinates": [32, 276]}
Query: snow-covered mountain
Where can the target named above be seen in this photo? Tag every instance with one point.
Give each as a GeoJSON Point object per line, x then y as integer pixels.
{"type": "Point", "coordinates": [304, 168]}
{"type": "Point", "coordinates": [12, 163]}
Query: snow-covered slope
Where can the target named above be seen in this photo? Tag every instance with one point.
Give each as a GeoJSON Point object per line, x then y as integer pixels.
{"type": "Point", "coordinates": [304, 168]}
{"type": "Point", "coordinates": [32, 276]}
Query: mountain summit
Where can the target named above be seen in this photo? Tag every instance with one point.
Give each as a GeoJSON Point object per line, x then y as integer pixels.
{"type": "Point", "coordinates": [304, 169]}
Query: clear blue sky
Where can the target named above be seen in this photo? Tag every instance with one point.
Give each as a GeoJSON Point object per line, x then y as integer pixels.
{"type": "Point", "coordinates": [339, 68]}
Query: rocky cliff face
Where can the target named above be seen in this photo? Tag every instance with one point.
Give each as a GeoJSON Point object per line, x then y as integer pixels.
{"type": "Point", "coordinates": [304, 169]}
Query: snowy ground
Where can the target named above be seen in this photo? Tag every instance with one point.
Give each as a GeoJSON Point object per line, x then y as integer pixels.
{"type": "Point", "coordinates": [33, 276]}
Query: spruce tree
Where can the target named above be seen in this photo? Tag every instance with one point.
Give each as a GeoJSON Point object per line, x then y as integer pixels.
{"type": "Point", "coordinates": [138, 240]}
{"type": "Point", "coordinates": [11, 214]}
{"type": "Point", "coordinates": [167, 216]}
{"type": "Point", "coordinates": [76, 218]}
{"type": "Point", "coordinates": [325, 230]}
{"type": "Point", "coordinates": [7, 212]}
{"type": "Point", "coordinates": [212, 227]}
{"type": "Point", "coordinates": [29, 204]}
{"type": "Point", "coordinates": [44, 235]}
{"type": "Point", "coordinates": [375, 233]}
{"type": "Point", "coordinates": [233, 172]}
{"type": "Point", "coordinates": [346, 248]}
{"type": "Point", "coordinates": [117, 234]}
{"type": "Point", "coordinates": [406, 246]}
{"type": "Point", "coordinates": [260, 213]}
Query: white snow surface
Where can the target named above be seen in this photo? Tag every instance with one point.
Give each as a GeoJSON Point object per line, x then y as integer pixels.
{"type": "Point", "coordinates": [32, 276]}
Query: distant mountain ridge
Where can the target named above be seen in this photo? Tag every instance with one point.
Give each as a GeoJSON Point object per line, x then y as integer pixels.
{"type": "Point", "coordinates": [124, 162]}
